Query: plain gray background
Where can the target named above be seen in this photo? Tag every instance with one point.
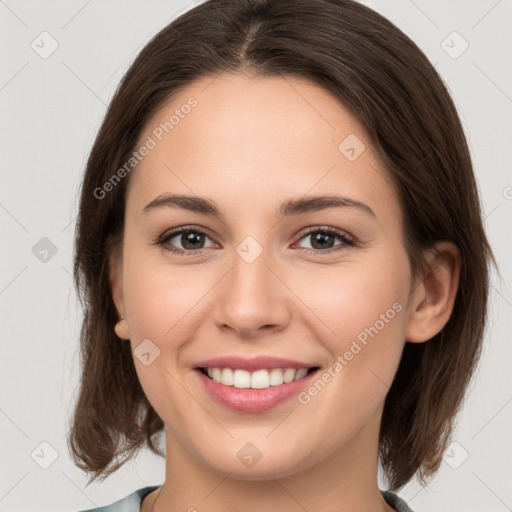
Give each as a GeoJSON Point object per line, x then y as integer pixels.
{"type": "Point", "coordinates": [50, 110]}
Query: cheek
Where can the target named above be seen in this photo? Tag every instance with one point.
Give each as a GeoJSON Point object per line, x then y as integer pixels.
{"type": "Point", "coordinates": [159, 300]}
{"type": "Point", "coordinates": [355, 296]}
{"type": "Point", "coordinates": [362, 311]}
{"type": "Point", "coordinates": [365, 310]}
{"type": "Point", "coordinates": [159, 297]}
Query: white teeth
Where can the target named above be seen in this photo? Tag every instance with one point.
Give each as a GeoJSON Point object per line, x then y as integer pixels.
{"type": "Point", "coordinates": [216, 374]}
{"type": "Point", "coordinates": [289, 374]}
{"type": "Point", "coordinates": [259, 379]}
{"type": "Point", "coordinates": [241, 379]}
{"type": "Point", "coordinates": [276, 377]}
{"type": "Point", "coordinates": [301, 372]}
{"type": "Point", "coordinates": [227, 377]}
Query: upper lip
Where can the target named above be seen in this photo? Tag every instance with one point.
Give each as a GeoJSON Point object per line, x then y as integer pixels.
{"type": "Point", "coordinates": [252, 364]}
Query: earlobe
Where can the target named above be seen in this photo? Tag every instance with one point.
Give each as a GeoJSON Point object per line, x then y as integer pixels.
{"type": "Point", "coordinates": [121, 329]}
{"type": "Point", "coordinates": [435, 293]}
{"type": "Point", "coordinates": [116, 285]}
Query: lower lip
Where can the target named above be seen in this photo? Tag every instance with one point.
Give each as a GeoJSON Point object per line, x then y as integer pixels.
{"type": "Point", "coordinates": [253, 400]}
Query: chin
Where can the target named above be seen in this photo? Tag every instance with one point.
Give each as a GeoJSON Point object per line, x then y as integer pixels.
{"type": "Point", "coordinates": [250, 464]}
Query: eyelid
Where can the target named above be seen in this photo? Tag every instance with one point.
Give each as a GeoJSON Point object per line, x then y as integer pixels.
{"type": "Point", "coordinates": [163, 240]}
{"type": "Point", "coordinates": [346, 238]}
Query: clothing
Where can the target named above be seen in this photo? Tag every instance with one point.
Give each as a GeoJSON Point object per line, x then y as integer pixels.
{"type": "Point", "coordinates": [129, 504]}
{"type": "Point", "coordinates": [395, 501]}
{"type": "Point", "coordinates": [133, 501]}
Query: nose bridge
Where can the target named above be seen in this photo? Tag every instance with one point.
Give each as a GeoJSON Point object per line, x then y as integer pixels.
{"type": "Point", "coordinates": [251, 296]}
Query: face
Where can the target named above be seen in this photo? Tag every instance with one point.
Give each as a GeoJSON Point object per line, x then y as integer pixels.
{"type": "Point", "coordinates": [323, 285]}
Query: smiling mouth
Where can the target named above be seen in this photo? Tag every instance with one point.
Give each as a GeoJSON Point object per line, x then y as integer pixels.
{"type": "Point", "coordinates": [258, 379]}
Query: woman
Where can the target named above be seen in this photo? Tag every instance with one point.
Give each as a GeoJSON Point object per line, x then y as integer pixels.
{"type": "Point", "coordinates": [282, 263]}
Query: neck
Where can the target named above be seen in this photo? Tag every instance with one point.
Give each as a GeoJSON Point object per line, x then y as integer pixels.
{"type": "Point", "coordinates": [345, 480]}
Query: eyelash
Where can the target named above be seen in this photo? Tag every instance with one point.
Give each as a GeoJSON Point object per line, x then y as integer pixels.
{"type": "Point", "coordinates": [164, 239]}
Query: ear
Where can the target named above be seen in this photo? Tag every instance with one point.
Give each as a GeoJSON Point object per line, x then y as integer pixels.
{"type": "Point", "coordinates": [115, 265]}
{"type": "Point", "coordinates": [434, 294]}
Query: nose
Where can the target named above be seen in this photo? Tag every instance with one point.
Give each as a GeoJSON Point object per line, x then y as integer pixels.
{"type": "Point", "coordinates": [252, 299]}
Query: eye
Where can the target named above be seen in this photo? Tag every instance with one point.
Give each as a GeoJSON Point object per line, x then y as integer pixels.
{"type": "Point", "coordinates": [323, 239]}
{"type": "Point", "coordinates": [191, 239]}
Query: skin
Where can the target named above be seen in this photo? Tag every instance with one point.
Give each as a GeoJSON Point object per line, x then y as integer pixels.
{"type": "Point", "coordinates": [249, 145]}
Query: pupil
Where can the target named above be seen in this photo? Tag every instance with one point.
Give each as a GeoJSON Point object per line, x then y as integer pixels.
{"type": "Point", "coordinates": [321, 238]}
{"type": "Point", "coordinates": [190, 238]}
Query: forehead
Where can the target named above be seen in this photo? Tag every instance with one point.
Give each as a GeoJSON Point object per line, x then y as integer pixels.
{"type": "Point", "coordinates": [255, 140]}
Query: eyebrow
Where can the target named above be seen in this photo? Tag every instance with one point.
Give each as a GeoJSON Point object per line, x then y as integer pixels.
{"type": "Point", "coordinates": [288, 208]}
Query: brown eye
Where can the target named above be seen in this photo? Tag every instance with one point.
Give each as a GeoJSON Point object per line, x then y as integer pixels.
{"type": "Point", "coordinates": [324, 240]}
{"type": "Point", "coordinates": [190, 239]}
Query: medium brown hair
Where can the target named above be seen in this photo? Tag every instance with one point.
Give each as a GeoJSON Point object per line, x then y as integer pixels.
{"type": "Point", "coordinates": [389, 85]}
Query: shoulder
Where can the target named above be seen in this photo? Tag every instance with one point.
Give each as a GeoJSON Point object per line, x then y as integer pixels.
{"type": "Point", "coordinates": [130, 503]}
{"type": "Point", "coordinates": [395, 501]}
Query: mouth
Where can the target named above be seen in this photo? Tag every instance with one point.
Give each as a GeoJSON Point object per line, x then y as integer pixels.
{"type": "Point", "coordinates": [256, 388]}
{"type": "Point", "coordinates": [258, 379]}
